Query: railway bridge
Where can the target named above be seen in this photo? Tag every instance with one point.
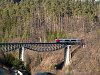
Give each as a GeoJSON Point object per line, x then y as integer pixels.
{"type": "Point", "coordinates": [43, 47]}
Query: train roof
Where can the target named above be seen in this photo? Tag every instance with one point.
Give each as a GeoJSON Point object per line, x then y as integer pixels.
{"type": "Point", "coordinates": [69, 39]}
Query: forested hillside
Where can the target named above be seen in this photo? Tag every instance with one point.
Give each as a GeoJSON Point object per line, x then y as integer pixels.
{"type": "Point", "coordinates": [45, 20]}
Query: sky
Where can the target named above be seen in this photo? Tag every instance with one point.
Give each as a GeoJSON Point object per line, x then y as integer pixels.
{"type": "Point", "coordinates": [90, 0]}
{"type": "Point", "coordinates": [85, 0]}
{"type": "Point", "coordinates": [97, 0]}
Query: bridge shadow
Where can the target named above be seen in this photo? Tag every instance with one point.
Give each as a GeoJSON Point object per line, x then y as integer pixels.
{"type": "Point", "coordinates": [44, 73]}
{"type": "Point", "coordinates": [59, 66]}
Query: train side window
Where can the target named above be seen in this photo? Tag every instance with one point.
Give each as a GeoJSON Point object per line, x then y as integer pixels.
{"type": "Point", "coordinates": [73, 40]}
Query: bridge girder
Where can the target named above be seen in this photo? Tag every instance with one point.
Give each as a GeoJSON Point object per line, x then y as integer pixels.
{"type": "Point", "coordinates": [40, 47]}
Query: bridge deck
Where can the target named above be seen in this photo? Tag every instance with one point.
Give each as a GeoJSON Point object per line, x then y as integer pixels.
{"type": "Point", "coordinates": [68, 43]}
{"type": "Point", "coordinates": [41, 47]}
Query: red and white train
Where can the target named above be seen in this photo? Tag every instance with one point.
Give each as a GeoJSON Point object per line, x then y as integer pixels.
{"type": "Point", "coordinates": [71, 41]}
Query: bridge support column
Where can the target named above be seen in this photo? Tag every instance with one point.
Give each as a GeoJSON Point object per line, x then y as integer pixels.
{"type": "Point", "coordinates": [67, 55]}
{"type": "Point", "coordinates": [22, 54]}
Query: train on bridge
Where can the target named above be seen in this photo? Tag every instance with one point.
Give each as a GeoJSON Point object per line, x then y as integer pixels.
{"type": "Point", "coordinates": [73, 41]}
{"type": "Point", "coordinates": [69, 40]}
